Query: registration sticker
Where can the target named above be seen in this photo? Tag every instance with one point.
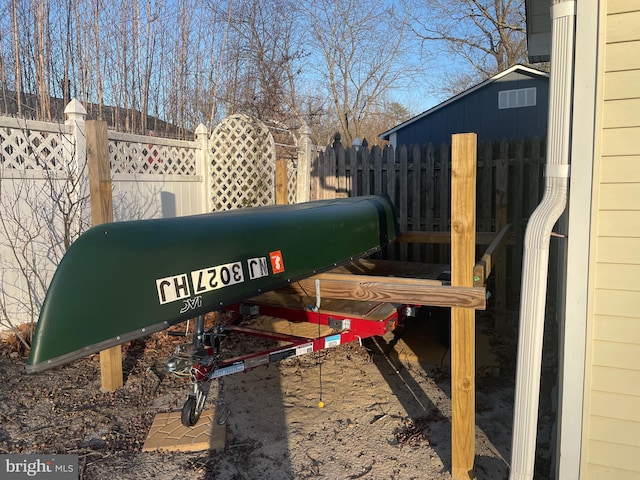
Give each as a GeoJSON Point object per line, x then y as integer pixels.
{"type": "Point", "coordinates": [332, 341]}
{"type": "Point", "coordinates": [277, 264]}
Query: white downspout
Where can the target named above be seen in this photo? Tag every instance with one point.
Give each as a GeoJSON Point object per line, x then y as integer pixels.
{"type": "Point", "coordinates": [536, 243]}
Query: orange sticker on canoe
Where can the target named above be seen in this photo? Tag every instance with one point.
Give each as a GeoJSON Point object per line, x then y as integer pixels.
{"type": "Point", "coordinates": [277, 264]}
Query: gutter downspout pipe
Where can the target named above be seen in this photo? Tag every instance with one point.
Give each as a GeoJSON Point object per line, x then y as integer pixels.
{"type": "Point", "coordinates": [536, 243]}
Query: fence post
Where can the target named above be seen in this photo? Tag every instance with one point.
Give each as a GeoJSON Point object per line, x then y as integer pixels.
{"type": "Point", "coordinates": [102, 212]}
{"type": "Point", "coordinates": [76, 114]}
{"type": "Point", "coordinates": [463, 239]}
{"type": "Point", "coordinates": [303, 178]}
{"type": "Point", "coordinates": [203, 165]}
{"type": "Point", "coordinates": [77, 159]}
{"type": "Point", "coordinates": [282, 190]}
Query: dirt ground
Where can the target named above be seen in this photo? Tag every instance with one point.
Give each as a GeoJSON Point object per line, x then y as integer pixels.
{"type": "Point", "coordinates": [384, 417]}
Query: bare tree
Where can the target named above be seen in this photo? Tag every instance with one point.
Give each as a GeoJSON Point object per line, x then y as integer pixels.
{"type": "Point", "coordinates": [17, 63]}
{"type": "Point", "coordinates": [264, 53]}
{"type": "Point", "coordinates": [41, 214]}
{"type": "Point", "coordinates": [188, 62]}
{"type": "Point", "coordinates": [360, 52]}
{"type": "Point", "coordinates": [488, 36]}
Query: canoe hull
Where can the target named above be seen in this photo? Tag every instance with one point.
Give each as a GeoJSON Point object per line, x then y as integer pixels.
{"type": "Point", "coordinates": [125, 280]}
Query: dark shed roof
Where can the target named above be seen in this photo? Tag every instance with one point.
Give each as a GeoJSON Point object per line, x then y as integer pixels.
{"type": "Point", "coordinates": [476, 109]}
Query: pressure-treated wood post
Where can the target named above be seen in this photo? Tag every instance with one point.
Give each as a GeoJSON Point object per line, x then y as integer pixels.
{"type": "Point", "coordinates": [102, 212]}
{"type": "Point", "coordinates": [282, 191]}
{"type": "Point", "coordinates": [463, 240]}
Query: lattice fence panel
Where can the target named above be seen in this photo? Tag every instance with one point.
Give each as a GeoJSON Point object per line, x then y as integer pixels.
{"type": "Point", "coordinates": [139, 157]}
{"type": "Point", "coordinates": [27, 149]}
{"type": "Point", "coordinates": [243, 164]}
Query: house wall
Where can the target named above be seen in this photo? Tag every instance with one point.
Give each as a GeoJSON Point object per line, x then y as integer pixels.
{"type": "Point", "coordinates": [478, 112]}
{"type": "Point", "coordinates": [611, 433]}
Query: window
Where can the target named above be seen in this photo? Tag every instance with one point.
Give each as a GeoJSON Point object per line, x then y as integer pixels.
{"type": "Point", "coordinates": [523, 97]}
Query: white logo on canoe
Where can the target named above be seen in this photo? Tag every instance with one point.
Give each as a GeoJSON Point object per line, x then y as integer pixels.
{"type": "Point", "coordinates": [197, 282]}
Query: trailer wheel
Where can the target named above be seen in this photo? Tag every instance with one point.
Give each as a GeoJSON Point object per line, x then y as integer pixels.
{"type": "Point", "coordinates": [189, 415]}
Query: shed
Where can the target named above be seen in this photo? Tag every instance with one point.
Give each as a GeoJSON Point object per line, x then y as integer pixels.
{"type": "Point", "coordinates": [594, 49]}
{"type": "Point", "coordinates": [511, 104]}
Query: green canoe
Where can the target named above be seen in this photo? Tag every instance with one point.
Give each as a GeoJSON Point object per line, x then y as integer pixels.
{"type": "Point", "coordinates": [122, 281]}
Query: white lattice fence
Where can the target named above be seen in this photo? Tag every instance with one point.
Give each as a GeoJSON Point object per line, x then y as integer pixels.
{"type": "Point", "coordinates": [40, 211]}
{"type": "Point", "coordinates": [44, 204]}
{"type": "Point", "coordinates": [154, 177]}
{"type": "Point", "coordinates": [33, 145]}
{"type": "Point", "coordinates": [243, 157]}
{"type": "Point", "coordinates": [136, 154]}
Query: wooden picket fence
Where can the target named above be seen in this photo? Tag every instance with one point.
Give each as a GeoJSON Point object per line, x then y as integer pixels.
{"type": "Point", "coordinates": [417, 178]}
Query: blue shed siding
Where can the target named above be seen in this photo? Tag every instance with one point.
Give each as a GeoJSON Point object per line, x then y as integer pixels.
{"type": "Point", "coordinates": [478, 112]}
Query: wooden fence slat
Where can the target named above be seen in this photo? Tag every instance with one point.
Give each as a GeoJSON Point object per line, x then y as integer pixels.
{"type": "Point", "coordinates": [341, 186]}
{"type": "Point", "coordinates": [316, 182]}
{"type": "Point", "coordinates": [377, 169]}
{"type": "Point", "coordinates": [428, 195]}
{"type": "Point", "coordinates": [444, 181]}
{"type": "Point", "coordinates": [389, 161]}
{"type": "Point", "coordinates": [331, 180]}
{"type": "Point", "coordinates": [517, 210]}
{"type": "Point", "coordinates": [501, 192]}
{"type": "Point", "coordinates": [366, 173]}
{"type": "Point", "coordinates": [353, 170]}
{"type": "Point", "coordinates": [485, 176]}
{"type": "Point", "coordinates": [415, 198]}
{"type": "Point", "coordinates": [403, 207]}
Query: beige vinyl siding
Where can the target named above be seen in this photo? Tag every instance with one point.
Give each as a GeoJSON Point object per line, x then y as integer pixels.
{"type": "Point", "coordinates": [617, 329]}
{"type": "Point", "coordinates": [623, 223]}
{"type": "Point", "coordinates": [611, 446]}
{"type": "Point", "coordinates": [598, 472]}
{"type": "Point", "coordinates": [616, 406]}
{"type": "Point", "coordinates": [621, 169]}
{"type": "Point", "coordinates": [622, 6]}
{"type": "Point", "coordinates": [619, 59]}
{"type": "Point", "coordinates": [621, 113]}
{"type": "Point", "coordinates": [618, 276]}
{"type": "Point", "coordinates": [610, 194]}
{"type": "Point", "coordinates": [622, 85]}
{"type": "Point", "coordinates": [618, 250]}
{"type": "Point", "coordinates": [616, 380]}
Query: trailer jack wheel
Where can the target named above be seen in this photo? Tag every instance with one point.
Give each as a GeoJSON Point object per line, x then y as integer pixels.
{"type": "Point", "coordinates": [190, 413]}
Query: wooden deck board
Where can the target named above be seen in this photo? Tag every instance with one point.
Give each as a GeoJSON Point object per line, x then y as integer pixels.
{"type": "Point", "coordinates": [391, 268]}
{"type": "Point", "coordinates": [377, 311]}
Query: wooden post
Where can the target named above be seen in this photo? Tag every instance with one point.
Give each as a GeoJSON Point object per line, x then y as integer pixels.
{"type": "Point", "coordinates": [463, 233]}
{"type": "Point", "coordinates": [102, 212]}
{"type": "Point", "coordinates": [282, 191]}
